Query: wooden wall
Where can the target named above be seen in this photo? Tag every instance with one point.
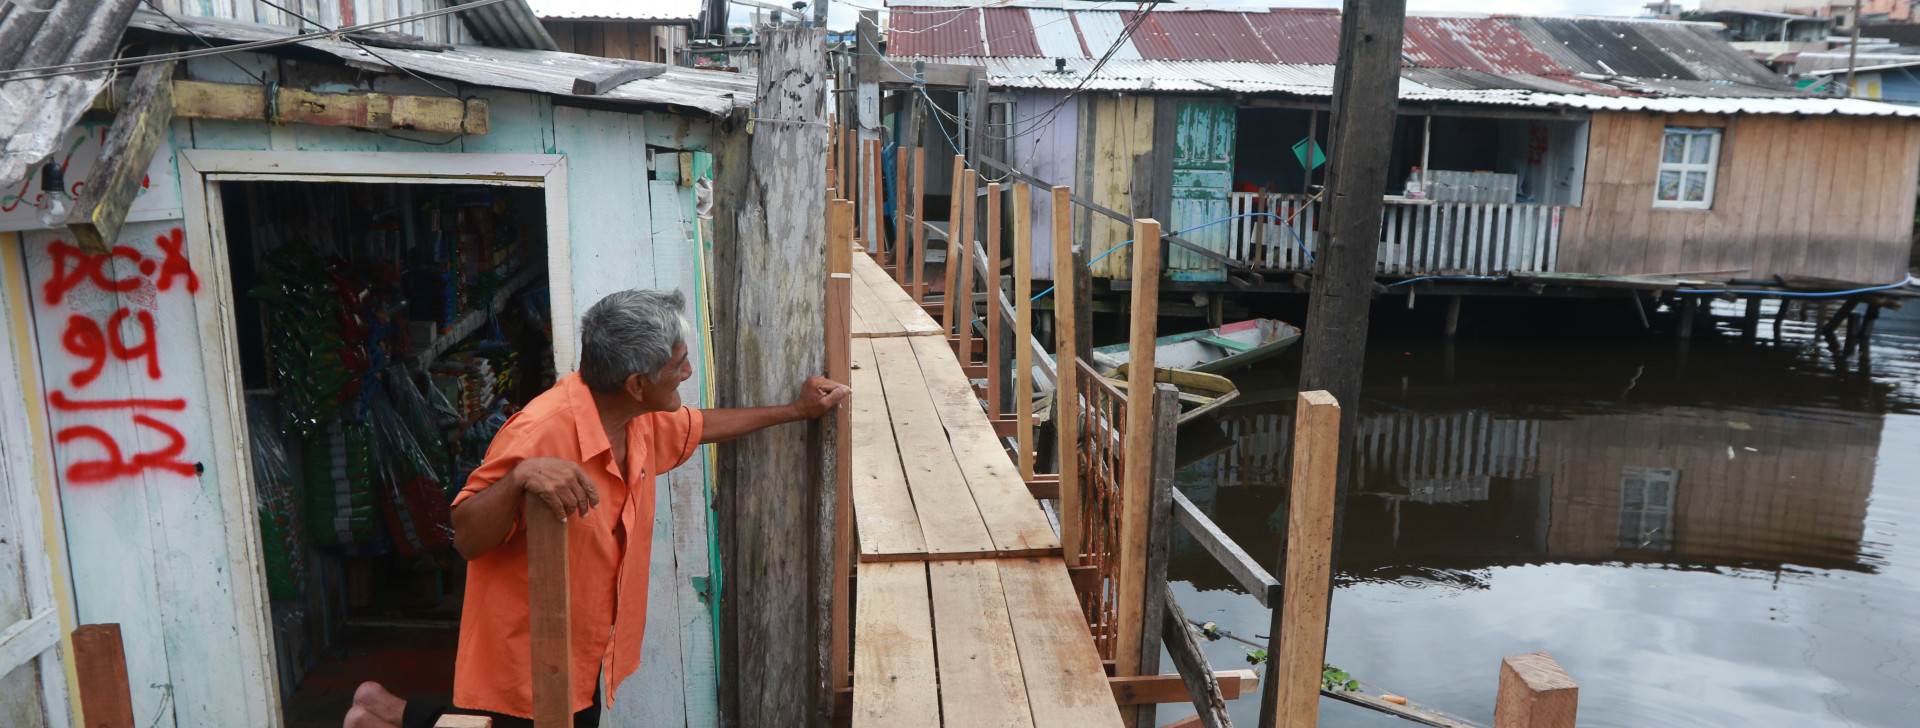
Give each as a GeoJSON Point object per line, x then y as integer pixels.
{"type": "Point", "coordinates": [1048, 152]}
{"type": "Point", "coordinates": [1822, 196]}
{"type": "Point", "coordinates": [1798, 496]}
{"type": "Point", "coordinates": [632, 40]}
{"type": "Point", "coordinates": [1118, 126]}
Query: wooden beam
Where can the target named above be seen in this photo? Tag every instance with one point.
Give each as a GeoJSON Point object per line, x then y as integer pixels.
{"type": "Point", "coordinates": [1023, 324]}
{"type": "Point", "coordinates": [1535, 693]}
{"type": "Point", "coordinates": [900, 230]}
{"type": "Point", "coordinates": [245, 102]}
{"type": "Point", "coordinates": [1153, 689]}
{"type": "Point", "coordinates": [1249, 573]}
{"type": "Point", "coordinates": [1300, 624]}
{"type": "Point", "coordinates": [919, 228]}
{"type": "Point", "coordinates": [839, 337]}
{"type": "Point", "coordinates": [996, 351]}
{"type": "Point", "coordinates": [1166, 420]}
{"type": "Point", "coordinates": [1066, 400]}
{"type": "Point", "coordinates": [550, 614]}
{"type": "Point", "coordinates": [1044, 487]}
{"type": "Point", "coordinates": [100, 664]}
{"type": "Point", "coordinates": [955, 231]}
{"type": "Point", "coordinates": [964, 290]}
{"type": "Point", "coordinates": [600, 82]}
{"type": "Point", "coordinates": [1206, 689]}
{"type": "Point", "coordinates": [463, 721]}
{"type": "Point", "coordinates": [1136, 490]}
{"type": "Point", "coordinates": [124, 156]}
{"type": "Point", "coordinates": [947, 75]}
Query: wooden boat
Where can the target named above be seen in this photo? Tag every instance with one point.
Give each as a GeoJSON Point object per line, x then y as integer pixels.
{"type": "Point", "coordinates": [1200, 392]}
{"type": "Point", "coordinates": [1212, 351]}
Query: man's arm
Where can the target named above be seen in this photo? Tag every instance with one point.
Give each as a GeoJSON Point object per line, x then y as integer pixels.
{"type": "Point", "coordinates": [484, 520]}
{"type": "Point", "coordinates": [817, 396]}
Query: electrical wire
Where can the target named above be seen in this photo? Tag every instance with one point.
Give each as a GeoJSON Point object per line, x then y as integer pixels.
{"type": "Point", "coordinates": [155, 6]}
{"type": "Point", "coordinates": [120, 64]}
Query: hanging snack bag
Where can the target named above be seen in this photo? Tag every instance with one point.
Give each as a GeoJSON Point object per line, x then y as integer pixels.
{"type": "Point", "coordinates": [341, 507]}
{"type": "Point", "coordinates": [416, 512]}
{"type": "Point", "coordinates": [281, 544]}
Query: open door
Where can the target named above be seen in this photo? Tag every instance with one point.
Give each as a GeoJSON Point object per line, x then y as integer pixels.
{"type": "Point", "coordinates": [1203, 137]}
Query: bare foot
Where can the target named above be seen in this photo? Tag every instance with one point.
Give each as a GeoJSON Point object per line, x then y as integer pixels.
{"type": "Point", "coordinates": [374, 707]}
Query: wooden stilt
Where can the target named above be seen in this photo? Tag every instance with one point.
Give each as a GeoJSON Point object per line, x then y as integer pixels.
{"type": "Point", "coordinates": [1066, 400]}
{"type": "Point", "coordinates": [1750, 323]}
{"type": "Point", "coordinates": [1779, 317]}
{"type": "Point", "coordinates": [1689, 309]}
{"type": "Point", "coordinates": [1866, 333]}
{"type": "Point", "coordinates": [1453, 316]}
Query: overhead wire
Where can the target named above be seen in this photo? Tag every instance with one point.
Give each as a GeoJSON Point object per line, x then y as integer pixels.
{"type": "Point", "coordinates": [155, 5]}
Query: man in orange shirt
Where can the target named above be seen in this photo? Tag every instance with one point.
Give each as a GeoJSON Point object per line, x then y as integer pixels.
{"type": "Point", "coordinates": [590, 447]}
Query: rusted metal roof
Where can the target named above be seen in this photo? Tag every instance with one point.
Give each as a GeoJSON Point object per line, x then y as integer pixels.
{"type": "Point", "coordinates": [936, 32]}
{"type": "Point", "coordinates": [1009, 32]}
{"type": "Point", "coordinates": [1299, 36]}
{"type": "Point", "coordinates": [1213, 37]}
{"type": "Point", "coordinates": [1480, 44]}
{"type": "Point", "coordinates": [36, 113]}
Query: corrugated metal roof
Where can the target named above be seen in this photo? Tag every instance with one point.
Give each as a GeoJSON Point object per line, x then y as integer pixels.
{"type": "Point", "coordinates": [1482, 44]}
{"type": "Point", "coordinates": [35, 114]}
{"type": "Point", "coordinates": [509, 24]}
{"type": "Point", "coordinates": [930, 32]}
{"type": "Point", "coordinates": [1009, 33]}
{"type": "Point", "coordinates": [668, 10]}
{"type": "Point", "coordinates": [1054, 31]}
{"type": "Point", "coordinates": [1822, 63]}
{"type": "Point", "coordinates": [1299, 36]}
{"type": "Point", "coordinates": [547, 72]}
{"type": "Point", "coordinates": [1099, 31]}
{"type": "Point", "coordinates": [1213, 37]}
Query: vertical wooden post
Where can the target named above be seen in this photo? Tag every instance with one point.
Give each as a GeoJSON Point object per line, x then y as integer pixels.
{"type": "Point", "coordinates": [1066, 358]}
{"type": "Point", "coordinates": [833, 155]}
{"type": "Point", "coordinates": [550, 614]}
{"type": "Point", "coordinates": [964, 286]}
{"type": "Point", "coordinates": [1166, 420]}
{"type": "Point", "coordinates": [839, 335]}
{"type": "Point", "coordinates": [872, 205]}
{"type": "Point", "coordinates": [900, 217]}
{"type": "Point", "coordinates": [1292, 697]}
{"type": "Point", "coordinates": [954, 226]}
{"type": "Point", "coordinates": [776, 520]}
{"type": "Point", "coordinates": [1136, 491]}
{"type": "Point", "coordinates": [996, 352]}
{"type": "Point", "coordinates": [100, 663]}
{"type": "Point", "coordinates": [919, 225]}
{"type": "Point", "coordinates": [1535, 693]}
{"type": "Point", "coordinates": [1023, 326]}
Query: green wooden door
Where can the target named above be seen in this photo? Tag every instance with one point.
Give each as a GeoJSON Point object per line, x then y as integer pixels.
{"type": "Point", "coordinates": [1202, 181]}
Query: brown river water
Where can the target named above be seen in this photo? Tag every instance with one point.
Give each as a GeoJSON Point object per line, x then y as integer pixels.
{"type": "Point", "coordinates": [1707, 534]}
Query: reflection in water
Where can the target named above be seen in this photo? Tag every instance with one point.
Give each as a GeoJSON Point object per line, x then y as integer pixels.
{"type": "Point", "coordinates": [1511, 497]}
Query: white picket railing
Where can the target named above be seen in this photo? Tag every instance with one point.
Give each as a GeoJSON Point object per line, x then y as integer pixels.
{"type": "Point", "coordinates": [1416, 237]}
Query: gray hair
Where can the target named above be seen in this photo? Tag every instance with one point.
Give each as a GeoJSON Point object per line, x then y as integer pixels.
{"type": "Point", "coordinates": [628, 333]}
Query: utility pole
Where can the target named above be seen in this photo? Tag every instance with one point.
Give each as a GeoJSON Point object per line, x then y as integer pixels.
{"type": "Point", "coordinates": [1366, 100]}
{"type": "Point", "coordinates": [1853, 48]}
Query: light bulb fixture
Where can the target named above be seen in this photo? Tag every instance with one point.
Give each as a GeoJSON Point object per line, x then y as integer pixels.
{"type": "Point", "coordinates": [53, 197]}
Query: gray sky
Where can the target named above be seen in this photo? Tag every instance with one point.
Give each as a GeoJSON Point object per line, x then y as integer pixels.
{"type": "Point", "coordinates": [842, 15]}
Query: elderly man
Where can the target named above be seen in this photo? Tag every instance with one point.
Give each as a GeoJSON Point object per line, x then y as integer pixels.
{"type": "Point", "coordinates": [590, 448]}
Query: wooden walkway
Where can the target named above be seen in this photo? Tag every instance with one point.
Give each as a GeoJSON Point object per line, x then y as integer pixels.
{"type": "Point", "coordinates": [964, 613]}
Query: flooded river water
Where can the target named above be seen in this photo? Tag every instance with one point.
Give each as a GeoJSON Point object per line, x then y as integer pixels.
{"type": "Point", "coordinates": [1720, 534]}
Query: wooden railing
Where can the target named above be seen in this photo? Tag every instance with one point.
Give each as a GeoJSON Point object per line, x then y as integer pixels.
{"type": "Point", "coordinates": [1417, 237]}
{"type": "Point", "coordinates": [1101, 419]}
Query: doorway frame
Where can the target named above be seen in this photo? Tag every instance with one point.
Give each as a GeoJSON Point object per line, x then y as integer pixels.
{"type": "Point", "coordinates": [200, 173]}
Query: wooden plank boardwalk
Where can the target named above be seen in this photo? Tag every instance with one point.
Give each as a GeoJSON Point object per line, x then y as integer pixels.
{"type": "Point", "coordinates": [964, 614]}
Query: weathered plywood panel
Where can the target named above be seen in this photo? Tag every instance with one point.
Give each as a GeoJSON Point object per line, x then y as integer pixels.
{"type": "Point", "coordinates": [1122, 126]}
{"type": "Point", "coordinates": [1050, 155]}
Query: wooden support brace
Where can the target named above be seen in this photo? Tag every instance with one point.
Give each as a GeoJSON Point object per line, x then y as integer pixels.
{"type": "Point", "coordinates": [550, 615]}
{"type": "Point", "coordinates": [1206, 689]}
{"type": "Point", "coordinates": [600, 82]}
{"type": "Point", "coordinates": [124, 156]}
{"type": "Point", "coordinates": [1153, 689]}
{"type": "Point", "coordinates": [919, 225]}
{"type": "Point", "coordinates": [1535, 693]}
{"type": "Point", "coordinates": [100, 663]}
{"type": "Point", "coordinates": [247, 102]}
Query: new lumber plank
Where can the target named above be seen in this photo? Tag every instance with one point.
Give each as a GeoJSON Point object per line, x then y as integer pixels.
{"type": "Point", "coordinates": [882, 506]}
{"type": "Point", "coordinates": [879, 318]}
{"type": "Point", "coordinates": [888, 293]}
{"type": "Point", "coordinates": [839, 336]}
{"type": "Point", "coordinates": [1301, 621]}
{"type": "Point", "coordinates": [894, 683]}
{"type": "Point", "coordinates": [949, 520]}
{"type": "Point", "coordinates": [550, 615]}
{"type": "Point", "coordinates": [980, 676]}
{"type": "Point", "coordinates": [1012, 517]}
{"type": "Point", "coordinates": [100, 665]}
{"type": "Point", "coordinates": [1066, 684]}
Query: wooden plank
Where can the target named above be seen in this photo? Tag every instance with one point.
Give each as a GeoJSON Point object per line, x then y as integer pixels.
{"type": "Point", "coordinates": [955, 228]}
{"type": "Point", "coordinates": [1023, 326]}
{"type": "Point", "coordinates": [550, 615]}
{"type": "Point", "coordinates": [1170, 688]}
{"type": "Point", "coordinates": [239, 102]}
{"type": "Point", "coordinates": [1066, 403]}
{"type": "Point", "coordinates": [894, 683]}
{"type": "Point", "coordinates": [1535, 693]}
{"type": "Point", "coordinates": [878, 317]}
{"type": "Point", "coordinates": [1249, 573]}
{"type": "Point", "coordinates": [980, 671]}
{"type": "Point", "coordinates": [949, 518]}
{"type": "Point", "coordinates": [1301, 622]}
{"type": "Point", "coordinates": [900, 243]}
{"type": "Point", "coordinates": [463, 721]}
{"type": "Point", "coordinates": [125, 155]}
{"type": "Point", "coordinates": [600, 82]}
{"type": "Point", "coordinates": [990, 278]}
{"type": "Point", "coordinates": [100, 666]}
{"type": "Point", "coordinates": [911, 317]}
{"type": "Point", "coordinates": [1001, 495]}
{"type": "Point", "coordinates": [1136, 516]}
{"type": "Point", "coordinates": [1203, 687]}
{"type": "Point", "coordinates": [1066, 684]}
{"type": "Point", "coordinates": [1166, 409]}
{"type": "Point", "coordinates": [964, 290]}
{"type": "Point", "coordinates": [882, 504]}
{"type": "Point", "coordinates": [839, 338]}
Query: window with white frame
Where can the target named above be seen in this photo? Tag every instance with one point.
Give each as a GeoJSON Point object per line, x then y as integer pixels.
{"type": "Point", "coordinates": [1646, 508]}
{"type": "Point", "coordinates": [1688, 157]}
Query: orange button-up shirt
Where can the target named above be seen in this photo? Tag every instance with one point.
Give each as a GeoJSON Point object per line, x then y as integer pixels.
{"type": "Point", "coordinates": [607, 578]}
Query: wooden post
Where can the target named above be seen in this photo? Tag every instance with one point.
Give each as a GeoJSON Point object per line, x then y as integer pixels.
{"type": "Point", "coordinates": [100, 663]}
{"type": "Point", "coordinates": [124, 157]}
{"type": "Point", "coordinates": [1066, 357]}
{"type": "Point", "coordinates": [1023, 326]}
{"type": "Point", "coordinates": [1166, 420]}
{"type": "Point", "coordinates": [1366, 97]}
{"type": "Point", "coordinates": [919, 233]}
{"type": "Point", "coordinates": [1688, 311]}
{"type": "Point", "coordinates": [964, 285]}
{"type": "Point", "coordinates": [839, 336]}
{"type": "Point", "coordinates": [954, 228]}
{"type": "Point", "coordinates": [874, 204]}
{"type": "Point", "coordinates": [833, 154]}
{"type": "Point", "coordinates": [1453, 315]}
{"type": "Point", "coordinates": [1535, 693]}
{"type": "Point", "coordinates": [1750, 323]}
{"type": "Point", "coordinates": [1209, 704]}
{"type": "Point", "coordinates": [776, 518]}
{"type": "Point", "coordinates": [1292, 695]}
{"type": "Point", "coordinates": [550, 614]}
{"type": "Point", "coordinates": [1136, 490]}
{"type": "Point", "coordinates": [900, 257]}
{"type": "Point", "coordinates": [996, 353]}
